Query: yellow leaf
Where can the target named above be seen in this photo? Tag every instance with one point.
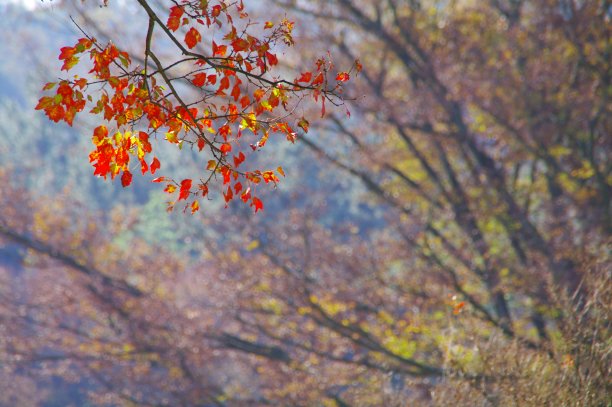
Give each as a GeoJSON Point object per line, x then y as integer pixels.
{"type": "Point", "coordinates": [171, 137]}
{"type": "Point", "coordinates": [253, 245]}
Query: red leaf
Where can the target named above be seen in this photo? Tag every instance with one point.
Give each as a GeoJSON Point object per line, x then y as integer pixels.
{"type": "Point", "coordinates": [306, 77]}
{"type": "Point", "coordinates": [159, 179]}
{"type": "Point", "coordinates": [126, 178]}
{"type": "Point", "coordinates": [245, 101]}
{"type": "Point", "coordinates": [185, 189]}
{"type": "Point", "coordinates": [343, 77]}
{"type": "Point", "coordinates": [144, 167]}
{"type": "Point", "coordinates": [319, 79]}
{"type": "Point", "coordinates": [65, 90]}
{"type": "Point", "coordinates": [154, 165]}
{"type": "Point", "coordinates": [229, 195]}
{"type": "Point", "coordinates": [236, 92]}
{"type": "Point", "coordinates": [192, 37]}
{"type": "Point", "coordinates": [239, 159]}
{"type": "Point", "coordinates": [246, 195]}
{"type": "Point", "coordinates": [257, 204]}
{"type": "Point", "coordinates": [272, 60]}
{"type": "Point", "coordinates": [224, 84]}
{"type": "Point", "coordinates": [174, 21]}
{"type": "Point", "coordinates": [204, 189]}
{"type": "Point", "coordinates": [199, 79]}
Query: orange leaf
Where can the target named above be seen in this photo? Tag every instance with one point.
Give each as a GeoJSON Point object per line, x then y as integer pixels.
{"type": "Point", "coordinates": [225, 148]}
{"type": "Point", "coordinates": [195, 206]}
{"type": "Point", "coordinates": [66, 53]}
{"type": "Point", "coordinates": [70, 63]}
{"type": "Point", "coordinates": [144, 141]}
{"type": "Point", "coordinates": [218, 50]}
{"type": "Point", "coordinates": [81, 83]}
{"type": "Point", "coordinates": [258, 94]}
{"type": "Point", "coordinates": [240, 44]}
{"type": "Point", "coordinates": [45, 102]}
{"type": "Point", "coordinates": [458, 307]}
{"type": "Point", "coordinates": [55, 113]}
{"type": "Point", "coordinates": [100, 133]}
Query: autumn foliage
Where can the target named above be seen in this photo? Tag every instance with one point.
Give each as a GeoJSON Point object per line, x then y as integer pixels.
{"type": "Point", "coordinates": [242, 100]}
{"type": "Point", "coordinates": [448, 245]}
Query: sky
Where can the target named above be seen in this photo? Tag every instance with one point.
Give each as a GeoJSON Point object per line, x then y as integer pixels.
{"type": "Point", "coordinates": [29, 4]}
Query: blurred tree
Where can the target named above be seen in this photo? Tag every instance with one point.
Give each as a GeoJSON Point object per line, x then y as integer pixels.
{"type": "Point", "coordinates": [112, 325]}
{"type": "Point", "coordinates": [484, 131]}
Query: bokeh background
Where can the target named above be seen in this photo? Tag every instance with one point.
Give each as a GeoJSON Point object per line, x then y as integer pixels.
{"type": "Point", "coordinates": [446, 243]}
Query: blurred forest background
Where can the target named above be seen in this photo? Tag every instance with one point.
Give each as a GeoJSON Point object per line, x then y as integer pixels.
{"type": "Point", "coordinates": [448, 244]}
